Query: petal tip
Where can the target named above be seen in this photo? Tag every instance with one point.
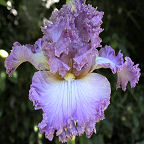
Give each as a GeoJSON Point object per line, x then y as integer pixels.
{"type": "Point", "coordinates": [128, 73]}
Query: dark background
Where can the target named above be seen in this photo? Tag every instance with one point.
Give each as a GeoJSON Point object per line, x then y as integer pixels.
{"type": "Point", "coordinates": [124, 30]}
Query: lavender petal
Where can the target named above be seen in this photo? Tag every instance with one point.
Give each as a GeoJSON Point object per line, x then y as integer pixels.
{"type": "Point", "coordinates": [108, 59]}
{"type": "Point", "coordinates": [129, 73]}
{"type": "Point", "coordinates": [22, 53]}
{"type": "Point", "coordinates": [70, 108]}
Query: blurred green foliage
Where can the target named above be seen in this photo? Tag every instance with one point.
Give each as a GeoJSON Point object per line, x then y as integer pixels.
{"type": "Point", "coordinates": [124, 29]}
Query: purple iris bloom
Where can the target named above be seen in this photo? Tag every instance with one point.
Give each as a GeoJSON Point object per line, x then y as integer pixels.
{"type": "Point", "coordinates": [72, 97]}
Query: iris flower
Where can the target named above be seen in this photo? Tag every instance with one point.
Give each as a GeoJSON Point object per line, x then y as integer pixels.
{"type": "Point", "coordinates": [73, 98]}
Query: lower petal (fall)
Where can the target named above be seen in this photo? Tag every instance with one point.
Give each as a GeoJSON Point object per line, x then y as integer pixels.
{"type": "Point", "coordinates": [70, 108]}
{"type": "Point", "coordinates": [129, 73]}
{"type": "Point", "coordinates": [22, 53]}
{"type": "Point", "coordinates": [108, 59]}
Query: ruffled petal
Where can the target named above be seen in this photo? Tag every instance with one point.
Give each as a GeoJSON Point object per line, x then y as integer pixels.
{"type": "Point", "coordinates": [57, 35]}
{"type": "Point", "coordinates": [57, 65]}
{"type": "Point", "coordinates": [88, 23]}
{"type": "Point", "coordinates": [82, 1]}
{"type": "Point", "coordinates": [70, 107]}
{"type": "Point", "coordinates": [75, 34]}
{"type": "Point", "coordinates": [129, 73]}
{"type": "Point", "coordinates": [22, 53]}
{"type": "Point", "coordinates": [83, 63]}
{"type": "Point", "coordinates": [108, 59]}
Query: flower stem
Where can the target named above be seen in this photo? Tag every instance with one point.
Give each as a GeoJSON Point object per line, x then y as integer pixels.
{"type": "Point", "coordinates": [73, 1]}
{"type": "Point", "coordinates": [71, 141]}
{"type": "Point", "coordinates": [69, 1]}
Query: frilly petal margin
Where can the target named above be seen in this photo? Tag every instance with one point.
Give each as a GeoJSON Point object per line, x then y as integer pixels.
{"type": "Point", "coordinates": [74, 35]}
{"type": "Point", "coordinates": [22, 53]}
{"type": "Point", "coordinates": [129, 73]}
{"type": "Point", "coordinates": [108, 59]}
{"type": "Point", "coordinates": [69, 107]}
{"type": "Point", "coordinates": [82, 1]}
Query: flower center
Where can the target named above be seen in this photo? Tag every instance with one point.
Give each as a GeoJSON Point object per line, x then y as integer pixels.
{"type": "Point", "coordinates": [69, 77]}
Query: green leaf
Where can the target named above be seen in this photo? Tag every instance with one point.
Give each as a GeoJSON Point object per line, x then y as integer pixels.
{"type": "Point", "coordinates": [83, 140]}
{"type": "Point", "coordinates": [142, 142]}
{"type": "Point", "coordinates": [3, 3]}
{"type": "Point", "coordinates": [71, 141]}
{"type": "Point", "coordinates": [99, 139]}
{"type": "Point", "coordinates": [136, 121]}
